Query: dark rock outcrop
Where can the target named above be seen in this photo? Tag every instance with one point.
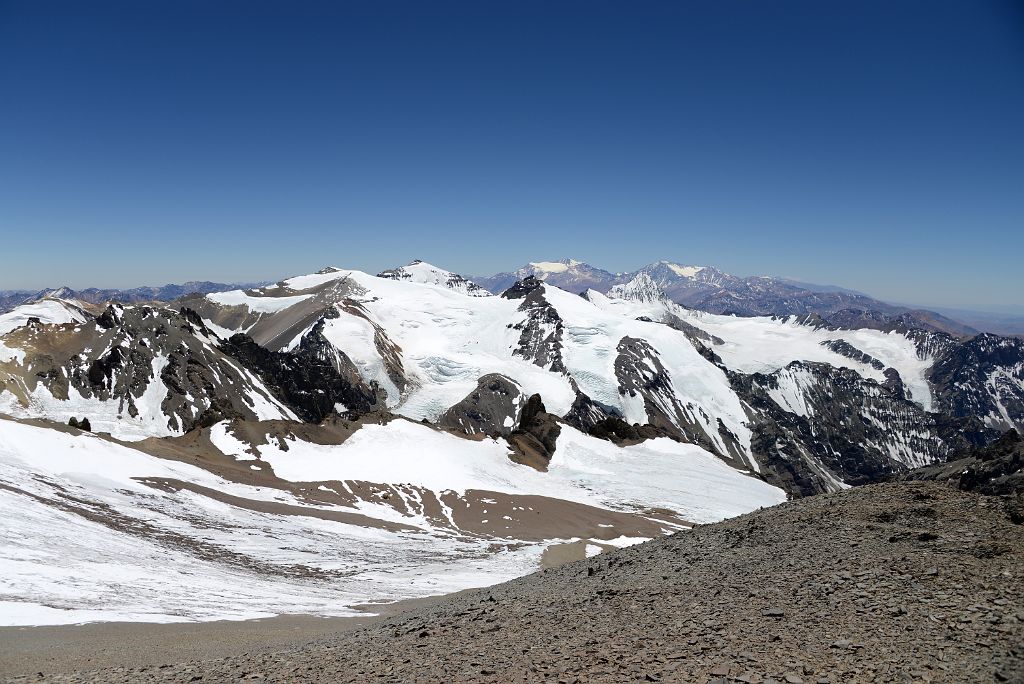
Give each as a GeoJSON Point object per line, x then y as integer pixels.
{"type": "Point", "coordinates": [982, 377]}
{"type": "Point", "coordinates": [994, 469]}
{"type": "Point", "coordinates": [535, 438]}
{"type": "Point", "coordinates": [491, 409]}
{"type": "Point", "coordinates": [314, 380]}
{"type": "Point", "coordinates": [540, 339]}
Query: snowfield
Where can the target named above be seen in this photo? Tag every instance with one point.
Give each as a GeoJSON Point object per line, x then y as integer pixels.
{"type": "Point", "coordinates": [762, 344]}
{"type": "Point", "coordinates": [197, 558]}
{"type": "Point", "coordinates": [256, 304]}
{"type": "Point", "coordinates": [82, 539]}
{"type": "Point", "coordinates": [658, 473]}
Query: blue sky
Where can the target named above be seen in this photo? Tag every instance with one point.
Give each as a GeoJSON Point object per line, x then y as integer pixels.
{"type": "Point", "coordinates": [875, 145]}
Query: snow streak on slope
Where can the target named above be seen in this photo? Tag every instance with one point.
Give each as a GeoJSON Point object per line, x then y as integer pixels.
{"type": "Point", "coordinates": [81, 538]}
{"type": "Point", "coordinates": [93, 530]}
{"type": "Point", "coordinates": [764, 345]}
{"type": "Point", "coordinates": [256, 304]}
{"type": "Point", "coordinates": [658, 473]}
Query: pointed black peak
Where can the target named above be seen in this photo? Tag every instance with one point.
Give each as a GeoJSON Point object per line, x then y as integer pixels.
{"type": "Point", "coordinates": [522, 288]}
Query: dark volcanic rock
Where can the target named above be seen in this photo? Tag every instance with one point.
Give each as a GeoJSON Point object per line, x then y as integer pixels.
{"type": "Point", "coordinates": [622, 433]}
{"type": "Point", "coordinates": [849, 351]}
{"type": "Point", "coordinates": [522, 288]}
{"type": "Point", "coordinates": [540, 339]}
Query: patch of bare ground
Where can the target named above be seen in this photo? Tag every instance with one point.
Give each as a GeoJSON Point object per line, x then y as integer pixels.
{"type": "Point", "coordinates": [899, 582]}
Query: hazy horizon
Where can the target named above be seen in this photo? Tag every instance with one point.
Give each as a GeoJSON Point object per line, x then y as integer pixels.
{"type": "Point", "coordinates": [995, 310]}
{"type": "Point", "coordinates": [875, 146]}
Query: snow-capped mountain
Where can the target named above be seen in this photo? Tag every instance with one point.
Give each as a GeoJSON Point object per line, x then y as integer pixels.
{"type": "Point", "coordinates": [408, 421]}
{"type": "Point", "coordinates": [164, 293]}
{"type": "Point", "coordinates": [642, 288]}
{"type": "Point", "coordinates": [706, 288]}
{"type": "Point", "coordinates": [568, 274]}
{"type": "Point", "coordinates": [422, 272]}
{"type": "Point", "coordinates": [418, 341]}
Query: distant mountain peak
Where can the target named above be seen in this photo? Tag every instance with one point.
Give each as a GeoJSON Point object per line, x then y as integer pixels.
{"type": "Point", "coordinates": [419, 271]}
{"type": "Point", "coordinates": [640, 289]}
{"type": "Point", "coordinates": [62, 292]}
{"type": "Point", "coordinates": [559, 266]}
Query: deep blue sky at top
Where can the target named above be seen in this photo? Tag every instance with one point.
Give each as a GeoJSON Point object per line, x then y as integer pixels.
{"type": "Point", "coordinates": [877, 145]}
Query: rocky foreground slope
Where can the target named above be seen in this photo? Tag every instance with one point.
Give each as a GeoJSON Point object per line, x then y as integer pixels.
{"type": "Point", "coordinates": [899, 582]}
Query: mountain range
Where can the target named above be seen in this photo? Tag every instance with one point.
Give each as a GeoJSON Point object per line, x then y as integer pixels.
{"type": "Point", "coordinates": [340, 437]}
{"type": "Point", "coordinates": [164, 293]}
{"type": "Point", "coordinates": [706, 288]}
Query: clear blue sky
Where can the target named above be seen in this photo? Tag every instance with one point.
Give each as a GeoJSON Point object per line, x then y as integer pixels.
{"type": "Point", "coordinates": [876, 145]}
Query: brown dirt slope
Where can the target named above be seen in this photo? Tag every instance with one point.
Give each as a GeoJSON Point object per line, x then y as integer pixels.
{"type": "Point", "coordinates": [898, 582]}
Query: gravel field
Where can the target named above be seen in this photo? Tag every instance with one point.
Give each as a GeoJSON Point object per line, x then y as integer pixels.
{"type": "Point", "coordinates": [899, 582]}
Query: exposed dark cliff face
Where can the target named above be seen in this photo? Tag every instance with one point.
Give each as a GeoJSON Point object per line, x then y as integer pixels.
{"type": "Point", "coordinates": [982, 377]}
{"type": "Point", "coordinates": [491, 409]}
{"type": "Point", "coordinates": [315, 379]}
{"type": "Point", "coordinates": [540, 339]}
{"type": "Point", "coordinates": [585, 412]}
{"type": "Point", "coordinates": [994, 469]}
{"type": "Point", "coordinates": [849, 351]}
{"type": "Point", "coordinates": [534, 439]}
{"type": "Point", "coordinates": [815, 426]}
{"type": "Point", "coordinates": [156, 370]}
{"type": "Point", "coordinates": [640, 373]}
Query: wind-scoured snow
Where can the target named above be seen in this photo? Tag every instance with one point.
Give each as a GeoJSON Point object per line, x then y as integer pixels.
{"type": "Point", "coordinates": [47, 311]}
{"type": "Point", "coordinates": [256, 304]}
{"type": "Point", "coordinates": [81, 539]}
{"type": "Point", "coordinates": [658, 473]}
